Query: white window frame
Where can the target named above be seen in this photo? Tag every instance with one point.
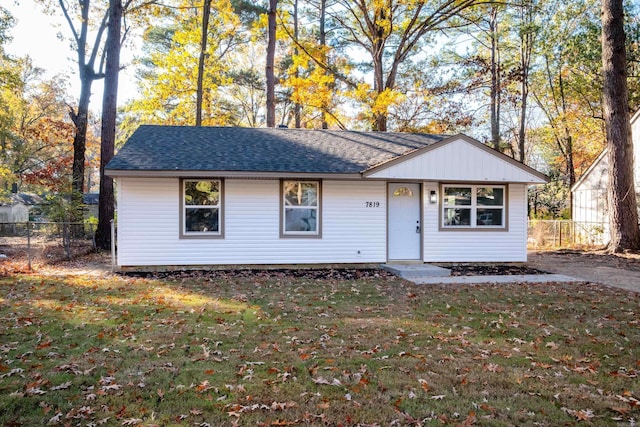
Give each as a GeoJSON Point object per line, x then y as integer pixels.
{"type": "Point", "coordinates": [183, 211]}
{"type": "Point", "coordinates": [473, 207]}
{"type": "Point", "coordinates": [317, 233]}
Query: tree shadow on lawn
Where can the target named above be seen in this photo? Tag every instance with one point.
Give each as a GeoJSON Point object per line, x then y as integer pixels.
{"type": "Point", "coordinates": [261, 348]}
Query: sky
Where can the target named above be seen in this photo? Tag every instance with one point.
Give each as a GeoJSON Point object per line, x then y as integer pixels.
{"type": "Point", "coordinates": [36, 34]}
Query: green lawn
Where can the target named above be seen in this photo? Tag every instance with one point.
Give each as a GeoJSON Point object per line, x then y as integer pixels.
{"type": "Point", "coordinates": [276, 350]}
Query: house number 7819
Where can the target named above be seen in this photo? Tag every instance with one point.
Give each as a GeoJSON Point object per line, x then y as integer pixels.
{"type": "Point", "coordinates": [372, 204]}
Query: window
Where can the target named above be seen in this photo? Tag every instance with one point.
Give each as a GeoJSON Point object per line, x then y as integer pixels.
{"type": "Point", "coordinates": [403, 192]}
{"type": "Point", "coordinates": [301, 208]}
{"type": "Point", "coordinates": [473, 206]}
{"type": "Point", "coordinates": [201, 208]}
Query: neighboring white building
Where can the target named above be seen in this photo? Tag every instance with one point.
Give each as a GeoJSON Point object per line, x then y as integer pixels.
{"type": "Point", "coordinates": [193, 196]}
{"type": "Point", "coordinates": [590, 199]}
{"type": "Point", "coordinates": [16, 209]}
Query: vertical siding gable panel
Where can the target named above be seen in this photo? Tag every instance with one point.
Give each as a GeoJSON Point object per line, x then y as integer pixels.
{"type": "Point", "coordinates": [456, 161]}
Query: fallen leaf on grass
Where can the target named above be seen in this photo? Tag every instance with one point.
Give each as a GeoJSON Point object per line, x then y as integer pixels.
{"type": "Point", "coordinates": [35, 391]}
{"type": "Point", "coordinates": [62, 386]}
{"type": "Point", "coordinates": [424, 384]}
{"type": "Point", "coordinates": [15, 371]}
{"type": "Point", "coordinates": [492, 367]}
{"type": "Point", "coordinates": [581, 415]}
{"type": "Point", "coordinates": [322, 381]}
{"type": "Point", "coordinates": [55, 419]}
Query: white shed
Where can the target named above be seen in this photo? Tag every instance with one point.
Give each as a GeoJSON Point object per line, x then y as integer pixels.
{"type": "Point", "coordinates": [590, 197]}
{"type": "Point", "coordinates": [192, 196]}
{"type": "Point", "coordinates": [16, 208]}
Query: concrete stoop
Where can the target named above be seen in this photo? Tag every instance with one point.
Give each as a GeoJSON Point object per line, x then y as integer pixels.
{"type": "Point", "coordinates": [413, 271]}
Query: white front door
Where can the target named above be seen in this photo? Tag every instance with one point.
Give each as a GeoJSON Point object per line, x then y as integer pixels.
{"type": "Point", "coordinates": [405, 225]}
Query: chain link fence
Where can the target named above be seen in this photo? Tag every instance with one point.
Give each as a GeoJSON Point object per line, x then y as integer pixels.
{"type": "Point", "coordinates": [566, 234]}
{"type": "Point", "coordinates": [50, 242]}
{"type": "Point", "coordinates": [45, 242]}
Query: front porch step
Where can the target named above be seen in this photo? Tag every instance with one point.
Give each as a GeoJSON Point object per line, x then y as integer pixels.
{"type": "Point", "coordinates": [417, 270]}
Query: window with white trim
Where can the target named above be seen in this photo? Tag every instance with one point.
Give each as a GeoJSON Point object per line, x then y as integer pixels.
{"type": "Point", "coordinates": [301, 208]}
{"type": "Point", "coordinates": [473, 206]}
{"type": "Point", "coordinates": [201, 207]}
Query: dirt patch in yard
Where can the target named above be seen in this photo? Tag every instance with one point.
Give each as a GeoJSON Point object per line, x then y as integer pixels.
{"type": "Point", "coordinates": [619, 270]}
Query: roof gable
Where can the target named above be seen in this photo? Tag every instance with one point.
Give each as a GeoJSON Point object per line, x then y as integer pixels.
{"type": "Point", "coordinates": [457, 158]}
{"type": "Point", "coordinates": [594, 174]}
{"type": "Point", "coordinates": [235, 149]}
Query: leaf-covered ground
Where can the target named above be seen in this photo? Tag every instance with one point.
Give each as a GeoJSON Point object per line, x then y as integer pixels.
{"type": "Point", "coordinates": [272, 349]}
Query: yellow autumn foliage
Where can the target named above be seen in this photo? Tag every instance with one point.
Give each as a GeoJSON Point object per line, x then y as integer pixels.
{"type": "Point", "coordinates": [168, 94]}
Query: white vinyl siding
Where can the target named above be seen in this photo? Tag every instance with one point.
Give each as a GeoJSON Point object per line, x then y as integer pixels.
{"type": "Point", "coordinates": [149, 224]}
{"type": "Point", "coordinates": [457, 161]}
{"type": "Point", "coordinates": [590, 194]}
{"type": "Point", "coordinates": [474, 246]}
{"type": "Point", "coordinates": [590, 209]}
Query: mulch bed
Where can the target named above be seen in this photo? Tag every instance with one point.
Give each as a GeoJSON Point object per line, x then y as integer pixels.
{"type": "Point", "coordinates": [282, 273]}
{"type": "Point", "coordinates": [491, 270]}
{"type": "Point", "coordinates": [336, 273]}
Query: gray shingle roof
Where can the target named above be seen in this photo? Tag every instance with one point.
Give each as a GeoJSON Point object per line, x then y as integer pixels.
{"type": "Point", "coordinates": [178, 148]}
{"type": "Point", "coordinates": [22, 198]}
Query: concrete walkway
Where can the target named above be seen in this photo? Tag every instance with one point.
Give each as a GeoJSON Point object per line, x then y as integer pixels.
{"type": "Point", "coordinates": [423, 274]}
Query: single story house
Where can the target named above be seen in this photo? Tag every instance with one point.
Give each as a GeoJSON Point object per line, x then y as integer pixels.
{"type": "Point", "coordinates": [590, 197]}
{"type": "Point", "coordinates": [192, 196]}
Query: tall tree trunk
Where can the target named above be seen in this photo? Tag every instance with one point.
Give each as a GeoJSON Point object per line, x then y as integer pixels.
{"type": "Point", "coordinates": [526, 46]}
{"type": "Point", "coordinates": [108, 131]}
{"type": "Point", "coordinates": [495, 79]}
{"type": "Point", "coordinates": [206, 11]}
{"type": "Point", "coordinates": [297, 107]}
{"type": "Point", "coordinates": [270, 67]}
{"type": "Point", "coordinates": [323, 44]}
{"type": "Point", "coordinates": [80, 120]}
{"type": "Point", "coordinates": [566, 146]}
{"type": "Point", "coordinates": [80, 117]}
{"type": "Point", "coordinates": [377, 56]}
{"type": "Point", "coordinates": [380, 118]}
{"type": "Point", "coordinates": [623, 213]}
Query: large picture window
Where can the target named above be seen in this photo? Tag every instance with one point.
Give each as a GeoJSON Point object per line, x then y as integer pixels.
{"type": "Point", "coordinates": [301, 208]}
{"type": "Point", "coordinates": [473, 206]}
{"type": "Point", "coordinates": [201, 207]}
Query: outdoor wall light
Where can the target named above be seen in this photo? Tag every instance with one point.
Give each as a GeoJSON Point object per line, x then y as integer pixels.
{"type": "Point", "coordinates": [433, 197]}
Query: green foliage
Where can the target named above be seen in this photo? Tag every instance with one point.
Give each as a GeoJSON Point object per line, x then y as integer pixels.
{"type": "Point", "coordinates": [62, 207]}
{"type": "Point", "coordinates": [170, 66]}
{"type": "Point", "coordinates": [6, 23]}
{"type": "Point", "coordinates": [91, 222]}
{"type": "Point", "coordinates": [34, 129]}
{"type": "Point", "coordinates": [550, 201]}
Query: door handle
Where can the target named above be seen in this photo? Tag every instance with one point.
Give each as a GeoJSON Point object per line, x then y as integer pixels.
{"type": "Point", "coordinates": [418, 227]}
